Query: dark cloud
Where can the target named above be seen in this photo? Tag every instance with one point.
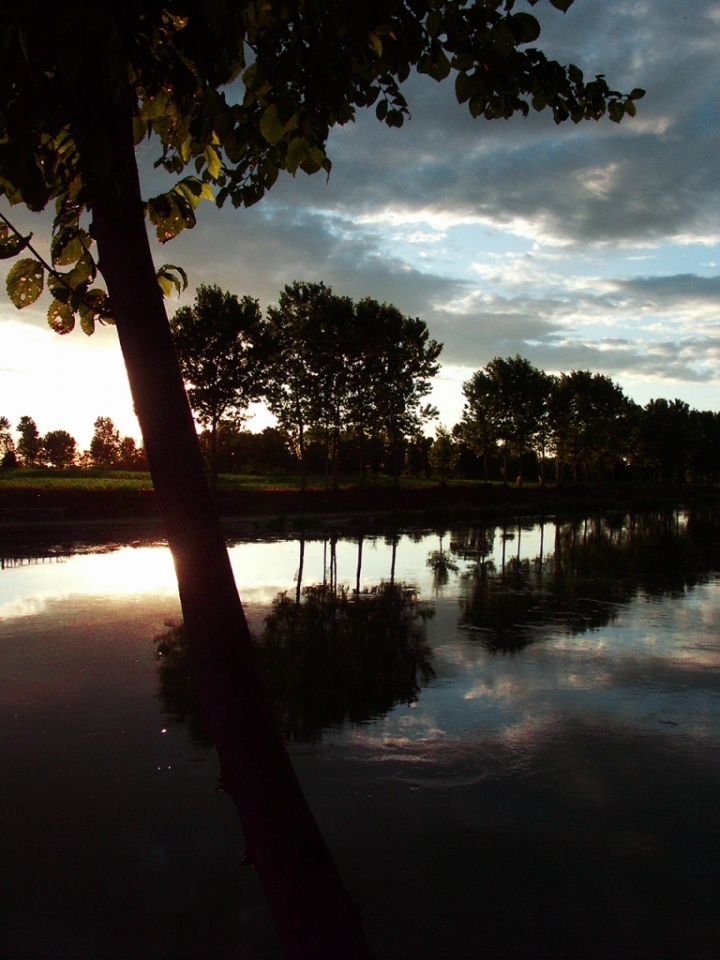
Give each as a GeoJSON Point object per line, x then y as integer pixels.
{"type": "Point", "coordinates": [666, 292]}
{"type": "Point", "coordinates": [647, 179]}
{"type": "Point", "coordinates": [258, 251]}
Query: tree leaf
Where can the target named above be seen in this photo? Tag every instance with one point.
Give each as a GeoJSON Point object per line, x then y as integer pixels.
{"type": "Point", "coordinates": [140, 128]}
{"type": "Point", "coordinates": [171, 277]}
{"type": "Point", "coordinates": [69, 245]}
{"type": "Point", "coordinates": [270, 126]}
{"type": "Point", "coordinates": [440, 67]}
{"type": "Point", "coordinates": [87, 320]}
{"type": "Point", "coordinates": [563, 5]}
{"type": "Point", "coordinates": [84, 271]}
{"type": "Point", "coordinates": [433, 23]}
{"type": "Point", "coordinates": [525, 27]}
{"type": "Point", "coordinates": [463, 87]}
{"type": "Point", "coordinates": [212, 159]}
{"type": "Point", "coordinates": [96, 307]}
{"type": "Point", "coordinates": [60, 317]}
{"type": "Point", "coordinates": [615, 111]}
{"type": "Point", "coordinates": [25, 282]}
{"type": "Point", "coordinates": [11, 244]}
{"type": "Point", "coordinates": [172, 212]}
{"type": "Point", "coordinates": [154, 107]}
{"type": "Point", "coordinates": [297, 152]}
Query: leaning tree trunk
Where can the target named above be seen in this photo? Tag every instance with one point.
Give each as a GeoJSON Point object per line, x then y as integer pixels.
{"type": "Point", "coordinates": [314, 914]}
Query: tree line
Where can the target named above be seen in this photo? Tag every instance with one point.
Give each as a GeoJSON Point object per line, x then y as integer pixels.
{"type": "Point", "coordinates": [581, 425]}
{"type": "Point", "coordinates": [59, 449]}
{"type": "Point", "coordinates": [346, 383]}
{"type": "Point", "coordinates": [335, 373]}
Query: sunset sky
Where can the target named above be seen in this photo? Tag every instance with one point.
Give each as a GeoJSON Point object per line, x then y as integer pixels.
{"type": "Point", "coordinates": [594, 246]}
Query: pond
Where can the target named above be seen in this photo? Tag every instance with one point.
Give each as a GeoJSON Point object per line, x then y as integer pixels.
{"type": "Point", "coordinates": [508, 733]}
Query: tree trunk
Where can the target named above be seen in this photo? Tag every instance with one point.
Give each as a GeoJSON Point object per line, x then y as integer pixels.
{"type": "Point", "coordinates": [213, 455]}
{"type": "Point", "coordinates": [393, 558]}
{"type": "Point", "coordinates": [361, 456]}
{"type": "Point", "coordinates": [359, 565]}
{"type": "Point", "coordinates": [298, 591]}
{"type": "Point", "coordinates": [396, 459]}
{"type": "Point", "coordinates": [303, 466]}
{"type": "Point", "coordinates": [336, 459]}
{"type": "Point", "coordinates": [313, 912]}
{"type": "Point", "coordinates": [327, 458]}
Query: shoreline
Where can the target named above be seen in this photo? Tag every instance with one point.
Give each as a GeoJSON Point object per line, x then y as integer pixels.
{"type": "Point", "coordinates": [37, 515]}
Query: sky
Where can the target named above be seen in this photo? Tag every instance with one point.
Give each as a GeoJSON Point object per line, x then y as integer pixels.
{"type": "Point", "coordinates": [591, 246]}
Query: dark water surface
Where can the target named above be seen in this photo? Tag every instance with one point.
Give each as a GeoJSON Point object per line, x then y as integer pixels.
{"type": "Point", "coordinates": [509, 736]}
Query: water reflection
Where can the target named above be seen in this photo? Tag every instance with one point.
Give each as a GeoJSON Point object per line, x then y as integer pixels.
{"type": "Point", "coordinates": [442, 565]}
{"type": "Point", "coordinates": [559, 802]}
{"type": "Point", "coordinates": [329, 656]}
{"type": "Point", "coordinates": [595, 566]}
{"type": "Point", "coordinates": [342, 656]}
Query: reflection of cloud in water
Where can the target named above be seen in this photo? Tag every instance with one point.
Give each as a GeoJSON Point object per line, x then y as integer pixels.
{"type": "Point", "coordinates": [128, 571]}
{"type": "Point", "coordinates": [23, 607]}
{"type": "Point", "coordinates": [486, 688]}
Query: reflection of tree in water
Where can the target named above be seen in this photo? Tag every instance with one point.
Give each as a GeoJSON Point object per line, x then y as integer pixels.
{"type": "Point", "coordinates": [336, 656]}
{"type": "Point", "coordinates": [442, 565]}
{"type": "Point", "coordinates": [178, 694]}
{"type": "Point", "coordinates": [597, 565]}
{"type": "Point", "coordinates": [342, 656]}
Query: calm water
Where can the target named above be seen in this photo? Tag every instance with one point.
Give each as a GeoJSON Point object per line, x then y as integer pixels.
{"type": "Point", "coordinates": [509, 736]}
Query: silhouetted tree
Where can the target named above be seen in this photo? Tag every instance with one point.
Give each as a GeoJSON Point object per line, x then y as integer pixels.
{"type": "Point", "coordinates": [105, 445]}
{"type": "Point", "coordinates": [7, 443]}
{"type": "Point", "coordinates": [505, 405]}
{"type": "Point", "coordinates": [705, 464]}
{"type": "Point", "coordinates": [30, 443]}
{"type": "Point", "coordinates": [297, 358]}
{"type": "Point", "coordinates": [444, 454]}
{"type": "Point", "coordinates": [59, 449]}
{"type": "Point", "coordinates": [668, 438]}
{"type": "Point", "coordinates": [591, 422]}
{"type": "Point", "coordinates": [396, 370]}
{"type": "Point", "coordinates": [333, 336]}
{"type": "Point", "coordinates": [220, 342]}
{"type": "Point", "coordinates": [479, 424]}
{"type": "Point", "coordinates": [130, 456]}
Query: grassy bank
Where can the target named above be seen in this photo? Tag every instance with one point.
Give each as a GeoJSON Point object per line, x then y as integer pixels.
{"type": "Point", "coordinates": [52, 496]}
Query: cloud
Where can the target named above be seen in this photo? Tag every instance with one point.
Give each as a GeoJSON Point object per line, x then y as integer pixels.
{"type": "Point", "coordinates": [508, 236]}
{"type": "Point", "coordinates": [647, 179]}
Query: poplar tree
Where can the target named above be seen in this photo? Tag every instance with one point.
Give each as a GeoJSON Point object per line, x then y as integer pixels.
{"type": "Point", "coordinates": [219, 342]}
{"type": "Point", "coordinates": [30, 443]}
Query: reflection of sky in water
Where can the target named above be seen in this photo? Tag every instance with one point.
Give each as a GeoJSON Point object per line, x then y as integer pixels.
{"type": "Point", "coordinates": [656, 664]}
{"type": "Point", "coordinates": [261, 570]}
{"type": "Point", "coordinates": [565, 789]}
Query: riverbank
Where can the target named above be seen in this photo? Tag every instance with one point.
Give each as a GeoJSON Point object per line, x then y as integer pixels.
{"type": "Point", "coordinates": [36, 508]}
